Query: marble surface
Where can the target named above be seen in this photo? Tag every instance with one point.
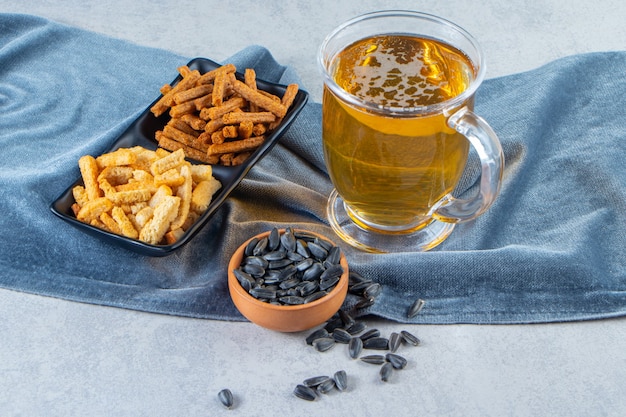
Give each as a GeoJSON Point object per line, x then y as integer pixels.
{"type": "Point", "coordinates": [59, 358]}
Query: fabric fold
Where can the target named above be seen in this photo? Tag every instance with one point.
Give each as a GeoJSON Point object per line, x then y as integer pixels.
{"type": "Point", "coordinates": [552, 248]}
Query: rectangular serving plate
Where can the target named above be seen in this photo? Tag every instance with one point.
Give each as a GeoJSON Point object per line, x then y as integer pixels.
{"type": "Point", "coordinates": [142, 133]}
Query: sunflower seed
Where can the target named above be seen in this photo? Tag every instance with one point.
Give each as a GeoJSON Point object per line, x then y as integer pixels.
{"type": "Point", "coordinates": [369, 334]}
{"type": "Point", "coordinates": [256, 260]}
{"type": "Point", "coordinates": [372, 290]}
{"type": "Point", "coordinates": [302, 248]}
{"type": "Point", "coordinates": [250, 246]}
{"type": "Point", "coordinates": [273, 241]}
{"type": "Point", "coordinates": [364, 303]}
{"type": "Point", "coordinates": [279, 263]}
{"type": "Point", "coordinates": [315, 296]}
{"type": "Point", "coordinates": [409, 338]}
{"type": "Point", "coordinates": [295, 256]}
{"type": "Point", "coordinates": [304, 392]}
{"type": "Point", "coordinates": [287, 272]}
{"type": "Point", "coordinates": [327, 284]}
{"type": "Point", "coordinates": [335, 271]}
{"type": "Point", "coordinates": [307, 288]}
{"type": "Point", "coordinates": [377, 343]}
{"type": "Point", "coordinates": [385, 372]}
{"type": "Point", "coordinates": [264, 293]}
{"type": "Point", "coordinates": [341, 380]}
{"type": "Point", "coordinates": [313, 272]}
{"type": "Point", "coordinates": [315, 381]}
{"type": "Point", "coordinates": [276, 255]}
{"type": "Point", "coordinates": [356, 328]}
{"type": "Point", "coordinates": [397, 361]}
{"type": "Point", "coordinates": [334, 255]}
{"type": "Point", "coordinates": [373, 359]}
{"type": "Point", "coordinates": [291, 300]}
{"type": "Point", "coordinates": [355, 346]}
{"type": "Point", "coordinates": [323, 243]}
{"type": "Point", "coordinates": [415, 308]}
{"type": "Point", "coordinates": [346, 318]}
{"type": "Point", "coordinates": [254, 270]}
{"type": "Point", "coordinates": [333, 324]}
{"type": "Point", "coordinates": [260, 247]}
{"type": "Point", "coordinates": [304, 264]}
{"type": "Point", "coordinates": [317, 251]}
{"type": "Point", "coordinates": [289, 283]}
{"type": "Point", "coordinates": [326, 386]}
{"type": "Point", "coordinates": [341, 336]}
{"type": "Point", "coordinates": [288, 240]}
{"type": "Point", "coordinates": [324, 344]}
{"type": "Point", "coordinates": [226, 397]}
{"type": "Point", "coordinates": [358, 288]}
{"type": "Point", "coordinates": [317, 334]}
{"type": "Point", "coordinates": [395, 339]}
{"type": "Point", "coordinates": [355, 278]}
{"type": "Point", "coordinates": [244, 279]}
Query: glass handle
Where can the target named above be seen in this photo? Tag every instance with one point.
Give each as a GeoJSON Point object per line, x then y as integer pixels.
{"type": "Point", "coordinates": [485, 141]}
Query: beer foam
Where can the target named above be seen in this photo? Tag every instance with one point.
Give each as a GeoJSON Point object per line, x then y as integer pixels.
{"type": "Point", "coordinates": [403, 71]}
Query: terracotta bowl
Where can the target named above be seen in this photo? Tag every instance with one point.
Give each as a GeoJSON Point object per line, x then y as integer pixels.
{"type": "Point", "coordinates": [283, 318]}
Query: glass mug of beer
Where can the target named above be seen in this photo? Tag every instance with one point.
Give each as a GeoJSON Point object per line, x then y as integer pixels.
{"type": "Point", "coordinates": [397, 124]}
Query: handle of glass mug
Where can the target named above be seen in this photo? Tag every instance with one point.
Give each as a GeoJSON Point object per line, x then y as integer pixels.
{"type": "Point", "coordinates": [486, 142]}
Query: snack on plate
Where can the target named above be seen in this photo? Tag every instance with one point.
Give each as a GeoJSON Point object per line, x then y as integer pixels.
{"type": "Point", "coordinates": [153, 196]}
{"type": "Point", "coordinates": [217, 119]}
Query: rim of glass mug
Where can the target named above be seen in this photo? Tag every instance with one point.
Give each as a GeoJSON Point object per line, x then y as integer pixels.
{"type": "Point", "coordinates": [340, 38]}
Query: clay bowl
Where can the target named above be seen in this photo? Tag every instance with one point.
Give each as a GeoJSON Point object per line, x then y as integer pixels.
{"type": "Point", "coordinates": [286, 318]}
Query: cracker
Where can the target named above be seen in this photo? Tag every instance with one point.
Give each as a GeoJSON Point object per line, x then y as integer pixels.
{"type": "Point", "coordinates": [123, 222]}
{"type": "Point", "coordinates": [89, 171]}
{"type": "Point", "coordinates": [122, 156]}
{"type": "Point", "coordinates": [261, 100]}
{"type": "Point", "coordinates": [158, 225]}
{"type": "Point", "coordinates": [93, 209]}
{"type": "Point", "coordinates": [170, 161]}
{"type": "Point", "coordinates": [184, 192]}
{"type": "Point", "coordinates": [203, 194]}
{"type": "Point", "coordinates": [242, 145]}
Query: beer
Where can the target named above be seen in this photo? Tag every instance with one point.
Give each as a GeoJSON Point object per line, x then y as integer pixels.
{"type": "Point", "coordinates": [390, 159]}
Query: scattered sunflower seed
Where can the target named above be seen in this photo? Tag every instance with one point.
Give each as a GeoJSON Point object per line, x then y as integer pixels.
{"type": "Point", "coordinates": [372, 290]}
{"type": "Point", "coordinates": [356, 328]}
{"type": "Point", "coordinates": [317, 334]}
{"type": "Point", "coordinates": [304, 392]}
{"type": "Point", "coordinates": [377, 343]}
{"type": "Point", "coordinates": [355, 346]}
{"type": "Point", "coordinates": [324, 344]}
{"type": "Point", "coordinates": [346, 318]}
{"type": "Point", "coordinates": [364, 303]}
{"type": "Point", "coordinates": [373, 359]}
{"type": "Point", "coordinates": [415, 308]}
{"type": "Point", "coordinates": [397, 361]}
{"type": "Point", "coordinates": [385, 372]}
{"type": "Point", "coordinates": [395, 339]}
{"type": "Point", "coordinates": [315, 381]}
{"type": "Point", "coordinates": [341, 380]}
{"type": "Point", "coordinates": [341, 336]}
{"type": "Point", "coordinates": [326, 386]}
{"type": "Point", "coordinates": [226, 398]}
{"type": "Point", "coordinates": [409, 338]}
{"type": "Point", "coordinates": [369, 334]}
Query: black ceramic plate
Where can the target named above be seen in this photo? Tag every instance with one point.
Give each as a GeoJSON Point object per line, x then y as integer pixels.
{"type": "Point", "coordinates": [141, 132]}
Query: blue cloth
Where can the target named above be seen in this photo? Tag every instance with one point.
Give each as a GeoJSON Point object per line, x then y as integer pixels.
{"type": "Point", "coordinates": [552, 248]}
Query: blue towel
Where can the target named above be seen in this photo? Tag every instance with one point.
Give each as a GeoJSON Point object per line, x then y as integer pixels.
{"type": "Point", "coordinates": [552, 248]}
